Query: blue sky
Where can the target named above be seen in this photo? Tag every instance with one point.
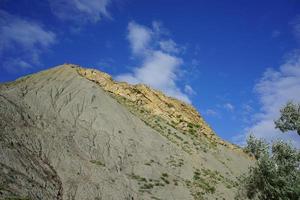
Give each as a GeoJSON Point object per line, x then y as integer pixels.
{"type": "Point", "coordinates": [237, 62]}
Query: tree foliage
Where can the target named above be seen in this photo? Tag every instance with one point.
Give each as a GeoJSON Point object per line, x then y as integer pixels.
{"type": "Point", "coordinates": [276, 173]}
{"type": "Point", "coordinates": [275, 176]}
{"type": "Point", "coordinates": [256, 147]}
{"type": "Point", "coordinates": [290, 118]}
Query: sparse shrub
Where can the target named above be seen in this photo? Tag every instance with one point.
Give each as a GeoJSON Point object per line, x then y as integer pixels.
{"type": "Point", "coordinates": [147, 186]}
{"type": "Point", "coordinates": [97, 162]}
{"type": "Point", "coordinates": [192, 131]}
{"type": "Point", "coordinates": [165, 180]}
{"type": "Point", "coordinates": [175, 182]}
{"type": "Point", "coordinates": [170, 105]}
{"type": "Point", "coordinates": [203, 182]}
{"type": "Point", "coordinates": [157, 184]}
{"type": "Point", "coordinates": [164, 177]}
{"type": "Point", "coordinates": [190, 125]}
{"type": "Point", "coordinates": [138, 178]}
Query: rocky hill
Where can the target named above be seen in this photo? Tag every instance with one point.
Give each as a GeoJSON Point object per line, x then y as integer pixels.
{"type": "Point", "coordinates": [176, 113]}
{"type": "Point", "coordinates": [74, 133]}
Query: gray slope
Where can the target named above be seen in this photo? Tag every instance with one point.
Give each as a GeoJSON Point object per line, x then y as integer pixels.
{"type": "Point", "coordinates": [62, 136]}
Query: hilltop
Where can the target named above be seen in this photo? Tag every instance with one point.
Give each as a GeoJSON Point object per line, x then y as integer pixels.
{"type": "Point", "coordinates": [75, 133]}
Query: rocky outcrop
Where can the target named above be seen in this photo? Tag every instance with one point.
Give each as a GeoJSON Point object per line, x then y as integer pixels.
{"type": "Point", "coordinates": [180, 114]}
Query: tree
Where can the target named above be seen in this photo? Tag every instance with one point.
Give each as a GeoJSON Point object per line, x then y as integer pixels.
{"type": "Point", "coordinates": [256, 147]}
{"type": "Point", "coordinates": [275, 176]}
{"type": "Point", "coordinates": [290, 118]}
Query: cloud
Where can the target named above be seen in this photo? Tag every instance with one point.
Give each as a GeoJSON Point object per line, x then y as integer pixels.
{"type": "Point", "coordinates": [139, 37]}
{"type": "Point", "coordinates": [211, 112]}
{"type": "Point", "coordinates": [296, 27]}
{"type": "Point", "coordinates": [275, 89]}
{"type": "Point", "coordinates": [275, 34]}
{"type": "Point", "coordinates": [24, 33]}
{"type": "Point", "coordinates": [14, 65]}
{"type": "Point", "coordinates": [159, 68]}
{"type": "Point", "coordinates": [229, 107]}
{"type": "Point", "coordinates": [247, 108]}
{"type": "Point", "coordinates": [189, 90]}
{"type": "Point", "coordinates": [169, 46]}
{"type": "Point", "coordinates": [80, 10]}
{"type": "Point", "coordinates": [22, 39]}
{"type": "Point", "coordinates": [246, 113]}
{"type": "Point", "coordinates": [159, 29]}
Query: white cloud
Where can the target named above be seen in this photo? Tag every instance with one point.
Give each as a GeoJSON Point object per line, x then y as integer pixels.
{"type": "Point", "coordinates": [275, 89]}
{"type": "Point", "coordinates": [247, 108]}
{"type": "Point", "coordinates": [189, 90]}
{"type": "Point", "coordinates": [159, 29]}
{"type": "Point", "coordinates": [14, 65]}
{"type": "Point", "coordinates": [159, 69]}
{"type": "Point", "coordinates": [139, 37]}
{"type": "Point", "coordinates": [169, 46]}
{"type": "Point", "coordinates": [211, 112]}
{"type": "Point", "coordinates": [23, 39]}
{"type": "Point", "coordinates": [229, 107]}
{"type": "Point", "coordinates": [18, 31]}
{"type": "Point", "coordinates": [80, 10]}
{"type": "Point", "coordinates": [296, 27]}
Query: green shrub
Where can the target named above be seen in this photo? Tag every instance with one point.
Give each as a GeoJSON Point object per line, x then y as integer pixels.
{"type": "Point", "coordinates": [290, 118]}
{"type": "Point", "coordinates": [97, 162]}
{"type": "Point", "coordinates": [275, 176]}
{"type": "Point", "coordinates": [256, 147]}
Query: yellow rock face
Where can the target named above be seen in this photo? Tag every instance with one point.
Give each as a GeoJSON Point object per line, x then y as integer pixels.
{"type": "Point", "coordinates": [181, 115]}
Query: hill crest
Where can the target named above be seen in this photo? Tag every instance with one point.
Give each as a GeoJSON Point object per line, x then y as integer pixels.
{"type": "Point", "coordinates": [177, 113]}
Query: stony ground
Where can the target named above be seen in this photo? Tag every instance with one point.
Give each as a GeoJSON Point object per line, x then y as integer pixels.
{"type": "Point", "coordinates": [64, 137]}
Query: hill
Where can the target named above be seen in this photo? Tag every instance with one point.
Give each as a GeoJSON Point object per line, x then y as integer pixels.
{"type": "Point", "coordinates": [75, 133]}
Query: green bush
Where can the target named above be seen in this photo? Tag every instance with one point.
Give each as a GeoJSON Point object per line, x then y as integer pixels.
{"type": "Point", "coordinates": [256, 147]}
{"type": "Point", "coordinates": [290, 118]}
{"type": "Point", "coordinates": [275, 176]}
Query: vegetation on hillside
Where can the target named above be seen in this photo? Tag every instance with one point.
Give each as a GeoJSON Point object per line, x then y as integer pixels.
{"type": "Point", "coordinates": [276, 174]}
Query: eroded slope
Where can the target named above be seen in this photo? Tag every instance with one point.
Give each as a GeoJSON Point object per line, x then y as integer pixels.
{"type": "Point", "coordinates": [176, 113]}
{"type": "Point", "coordinates": [65, 136]}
